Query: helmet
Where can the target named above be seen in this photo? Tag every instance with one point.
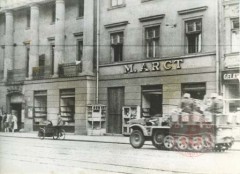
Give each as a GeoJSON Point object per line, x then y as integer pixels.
{"type": "Point", "coordinates": [214, 95]}
{"type": "Point", "coordinates": [186, 95]}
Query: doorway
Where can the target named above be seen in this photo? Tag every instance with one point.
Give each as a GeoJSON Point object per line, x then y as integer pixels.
{"type": "Point", "coordinates": [115, 104]}
{"type": "Point", "coordinates": [18, 108]}
{"type": "Point", "coordinates": [151, 100]}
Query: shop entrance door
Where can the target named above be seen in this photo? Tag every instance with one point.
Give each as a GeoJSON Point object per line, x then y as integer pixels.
{"type": "Point", "coordinates": [152, 100]}
{"type": "Point", "coordinates": [18, 107]}
{"type": "Point", "coordinates": [115, 103]}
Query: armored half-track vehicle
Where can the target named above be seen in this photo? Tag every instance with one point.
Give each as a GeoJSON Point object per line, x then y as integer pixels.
{"type": "Point", "coordinates": [184, 132]}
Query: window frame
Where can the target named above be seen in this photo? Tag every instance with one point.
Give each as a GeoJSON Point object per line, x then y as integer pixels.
{"type": "Point", "coordinates": [186, 34]}
{"type": "Point", "coordinates": [77, 50]}
{"type": "Point", "coordinates": [157, 51]}
{"type": "Point", "coordinates": [81, 8]}
{"type": "Point", "coordinates": [234, 30]}
{"type": "Point", "coordinates": [27, 60]}
{"type": "Point", "coordinates": [123, 4]}
{"type": "Point", "coordinates": [111, 45]}
{"type": "Point", "coordinates": [196, 85]}
{"type": "Point", "coordinates": [28, 17]}
{"type": "Point", "coordinates": [53, 13]}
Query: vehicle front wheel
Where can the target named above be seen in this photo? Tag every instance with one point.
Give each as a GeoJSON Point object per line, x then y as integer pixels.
{"type": "Point", "coordinates": [137, 139]}
{"type": "Point", "coordinates": [158, 139]}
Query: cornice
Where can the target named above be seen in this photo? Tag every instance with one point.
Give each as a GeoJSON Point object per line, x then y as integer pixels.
{"type": "Point", "coordinates": [192, 10]}
{"type": "Point", "coordinates": [119, 24]}
{"type": "Point", "coordinates": [151, 18]}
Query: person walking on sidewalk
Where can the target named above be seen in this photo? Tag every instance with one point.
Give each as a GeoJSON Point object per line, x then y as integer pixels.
{"type": "Point", "coordinates": [14, 122]}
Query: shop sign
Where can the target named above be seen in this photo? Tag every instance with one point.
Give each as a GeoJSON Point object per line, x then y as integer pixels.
{"type": "Point", "coordinates": [232, 61]}
{"type": "Point", "coordinates": [231, 76]}
{"type": "Point", "coordinates": [154, 66]}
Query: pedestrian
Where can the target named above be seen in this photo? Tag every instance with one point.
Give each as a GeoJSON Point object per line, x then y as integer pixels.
{"type": "Point", "coordinates": [186, 103]}
{"type": "Point", "coordinates": [14, 121]}
{"type": "Point", "coordinates": [10, 121]}
{"type": "Point", "coordinates": [59, 120]}
{"type": "Point", "coordinates": [1, 118]}
{"type": "Point", "coordinates": [5, 122]}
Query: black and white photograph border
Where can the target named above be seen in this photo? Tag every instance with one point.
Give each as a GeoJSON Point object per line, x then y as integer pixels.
{"type": "Point", "coordinates": [119, 86]}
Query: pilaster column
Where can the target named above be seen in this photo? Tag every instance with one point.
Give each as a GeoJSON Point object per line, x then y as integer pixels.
{"type": "Point", "coordinates": [8, 60]}
{"type": "Point", "coordinates": [34, 44]}
{"type": "Point", "coordinates": [60, 35]}
{"type": "Point", "coordinates": [88, 39]}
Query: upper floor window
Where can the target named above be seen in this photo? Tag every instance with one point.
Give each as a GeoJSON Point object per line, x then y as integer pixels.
{"type": "Point", "coordinates": [80, 8]}
{"type": "Point", "coordinates": [79, 50]}
{"type": "Point", "coordinates": [115, 3]}
{"type": "Point", "coordinates": [193, 33]}
{"type": "Point", "coordinates": [28, 15]}
{"type": "Point", "coordinates": [235, 35]}
{"type": "Point", "coordinates": [27, 59]}
{"type": "Point", "coordinates": [152, 35]}
{"type": "Point", "coordinates": [117, 46]}
{"type": "Point", "coordinates": [2, 24]}
{"type": "Point", "coordinates": [53, 13]}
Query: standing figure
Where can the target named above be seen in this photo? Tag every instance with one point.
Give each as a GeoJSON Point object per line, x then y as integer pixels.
{"type": "Point", "coordinates": [14, 121]}
{"type": "Point", "coordinates": [10, 122]}
{"type": "Point", "coordinates": [186, 103]}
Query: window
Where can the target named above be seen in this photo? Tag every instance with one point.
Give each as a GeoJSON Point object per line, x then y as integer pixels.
{"type": "Point", "coordinates": [52, 58]}
{"type": "Point", "coordinates": [115, 3]}
{"type": "Point", "coordinates": [80, 8]}
{"type": "Point", "coordinates": [2, 24]}
{"type": "Point", "coordinates": [196, 90]}
{"type": "Point", "coordinates": [28, 18]}
{"type": "Point", "coordinates": [79, 50]}
{"type": "Point", "coordinates": [235, 35]}
{"type": "Point", "coordinates": [152, 41]}
{"type": "Point", "coordinates": [193, 32]}
{"type": "Point", "coordinates": [67, 105]}
{"type": "Point", "coordinates": [40, 106]}
{"type": "Point", "coordinates": [41, 61]}
{"type": "Point", "coordinates": [27, 59]}
{"type": "Point", "coordinates": [53, 13]}
{"type": "Point", "coordinates": [117, 46]}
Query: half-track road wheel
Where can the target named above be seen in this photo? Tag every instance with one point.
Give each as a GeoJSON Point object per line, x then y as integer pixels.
{"type": "Point", "coordinates": [182, 142]}
{"type": "Point", "coordinates": [137, 139]}
{"type": "Point", "coordinates": [168, 142]}
{"type": "Point", "coordinates": [157, 139]}
{"type": "Point", "coordinates": [197, 143]}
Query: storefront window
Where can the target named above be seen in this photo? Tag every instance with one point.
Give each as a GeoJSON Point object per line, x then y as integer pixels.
{"type": "Point", "coordinates": [67, 105]}
{"type": "Point", "coordinates": [232, 98]}
{"type": "Point", "coordinates": [196, 90]}
{"type": "Point", "coordinates": [40, 106]}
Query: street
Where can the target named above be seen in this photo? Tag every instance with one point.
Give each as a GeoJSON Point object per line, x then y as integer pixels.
{"type": "Point", "coordinates": [26, 155]}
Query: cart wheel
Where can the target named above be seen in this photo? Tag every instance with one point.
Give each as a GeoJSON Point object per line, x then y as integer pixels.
{"type": "Point", "coordinates": [41, 133]}
{"type": "Point", "coordinates": [55, 134]}
{"type": "Point", "coordinates": [137, 139]}
{"type": "Point", "coordinates": [61, 134]}
{"type": "Point", "coordinates": [157, 139]}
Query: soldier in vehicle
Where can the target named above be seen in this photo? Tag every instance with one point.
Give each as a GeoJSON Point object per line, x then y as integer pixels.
{"type": "Point", "coordinates": [186, 103]}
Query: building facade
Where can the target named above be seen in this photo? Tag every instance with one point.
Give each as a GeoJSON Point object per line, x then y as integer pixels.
{"type": "Point", "coordinates": [44, 67]}
{"type": "Point", "coordinates": [151, 55]}
{"type": "Point", "coordinates": [148, 55]}
{"type": "Point", "coordinates": [230, 58]}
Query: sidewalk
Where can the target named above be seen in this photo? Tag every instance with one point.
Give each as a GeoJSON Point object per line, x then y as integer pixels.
{"type": "Point", "coordinates": [72, 137]}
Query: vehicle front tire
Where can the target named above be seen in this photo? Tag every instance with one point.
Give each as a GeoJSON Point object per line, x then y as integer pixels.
{"type": "Point", "coordinates": [158, 139]}
{"type": "Point", "coordinates": [137, 139]}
